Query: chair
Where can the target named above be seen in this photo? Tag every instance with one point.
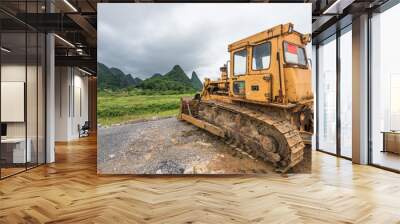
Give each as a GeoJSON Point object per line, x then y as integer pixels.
{"type": "Point", "coordinates": [84, 130]}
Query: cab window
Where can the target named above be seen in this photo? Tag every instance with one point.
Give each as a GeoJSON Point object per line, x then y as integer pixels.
{"type": "Point", "coordinates": [239, 62]}
{"type": "Point", "coordinates": [238, 88]}
{"type": "Point", "coordinates": [294, 54]}
{"type": "Point", "coordinates": [261, 56]}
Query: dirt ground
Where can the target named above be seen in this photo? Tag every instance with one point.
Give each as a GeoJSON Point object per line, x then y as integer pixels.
{"type": "Point", "coordinates": [169, 146]}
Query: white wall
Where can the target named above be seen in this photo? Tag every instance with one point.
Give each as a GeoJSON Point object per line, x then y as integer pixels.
{"type": "Point", "coordinates": [79, 110]}
{"type": "Point", "coordinates": [16, 73]}
{"type": "Point", "coordinates": [70, 83]}
{"type": "Point", "coordinates": [62, 82]}
{"type": "Point", "coordinates": [33, 126]}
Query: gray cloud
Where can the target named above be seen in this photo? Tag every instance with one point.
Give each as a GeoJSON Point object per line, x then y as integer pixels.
{"type": "Point", "coordinates": [143, 39]}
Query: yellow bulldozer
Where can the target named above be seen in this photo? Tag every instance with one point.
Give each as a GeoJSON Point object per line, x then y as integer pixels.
{"type": "Point", "coordinates": [263, 100]}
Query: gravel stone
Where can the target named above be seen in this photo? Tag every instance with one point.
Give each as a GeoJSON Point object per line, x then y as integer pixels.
{"type": "Point", "coordinates": [168, 146]}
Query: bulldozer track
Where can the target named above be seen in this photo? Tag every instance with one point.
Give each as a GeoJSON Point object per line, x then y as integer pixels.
{"type": "Point", "coordinates": [237, 152]}
{"type": "Point", "coordinates": [273, 139]}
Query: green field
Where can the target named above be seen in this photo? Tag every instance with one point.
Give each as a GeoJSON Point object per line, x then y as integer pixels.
{"type": "Point", "coordinates": [121, 106]}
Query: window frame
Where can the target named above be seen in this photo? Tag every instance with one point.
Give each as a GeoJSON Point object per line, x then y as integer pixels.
{"type": "Point", "coordinates": [270, 55]}
{"type": "Point", "coordinates": [288, 64]}
{"type": "Point", "coordinates": [234, 64]}
{"type": "Point", "coordinates": [244, 87]}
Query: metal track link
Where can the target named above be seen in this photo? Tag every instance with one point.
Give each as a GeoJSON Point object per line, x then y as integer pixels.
{"type": "Point", "coordinates": [261, 135]}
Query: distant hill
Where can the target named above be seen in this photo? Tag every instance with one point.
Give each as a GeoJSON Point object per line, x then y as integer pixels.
{"type": "Point", "coordinates": [156, 75]}
{"type": "Point", "coordinates": [106, 79]}
{"type": "Point", "coordinates": [114, 78]}
{"type": "Point", "coordinates": [137, 81]}
{"type": "Point", "coordinates": [176, 80]}
{"type": "Point", "coordinates": [177, 74]}
{"type": "Point", "coordinates": [195, 81]}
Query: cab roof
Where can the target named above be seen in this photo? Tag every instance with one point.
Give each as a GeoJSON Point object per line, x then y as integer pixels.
{"type": "Point", "coordinates": [275, 31]}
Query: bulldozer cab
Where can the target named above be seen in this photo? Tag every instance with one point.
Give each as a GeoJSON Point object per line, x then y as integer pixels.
{"type": "Point", "coordinates": [271, 66]}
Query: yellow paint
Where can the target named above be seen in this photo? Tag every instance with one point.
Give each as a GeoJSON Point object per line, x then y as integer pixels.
{"type": "Point", "coordinates": [280, 83]}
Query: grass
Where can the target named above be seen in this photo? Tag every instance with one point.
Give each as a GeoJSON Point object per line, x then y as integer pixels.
{"type": "Point", "coordinates": [128, 105]}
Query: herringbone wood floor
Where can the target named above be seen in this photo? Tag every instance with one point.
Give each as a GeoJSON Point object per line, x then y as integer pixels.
{"type": "Point", "coordinates": [70, 191]}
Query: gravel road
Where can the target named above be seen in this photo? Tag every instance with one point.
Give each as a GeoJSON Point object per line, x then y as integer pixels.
{"type": "Point", "coordinates": [169, 146]}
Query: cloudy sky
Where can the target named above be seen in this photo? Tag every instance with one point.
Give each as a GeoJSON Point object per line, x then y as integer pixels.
{"type": "Point", "coordinates": [143, 39]}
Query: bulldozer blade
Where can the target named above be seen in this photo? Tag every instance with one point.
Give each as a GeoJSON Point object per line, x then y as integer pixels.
{"type": "Point", "coordinates": [203, 125]}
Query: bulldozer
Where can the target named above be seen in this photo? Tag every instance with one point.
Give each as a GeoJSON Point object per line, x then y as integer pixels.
{"type": "Point", "coordinates": [263, 101]}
